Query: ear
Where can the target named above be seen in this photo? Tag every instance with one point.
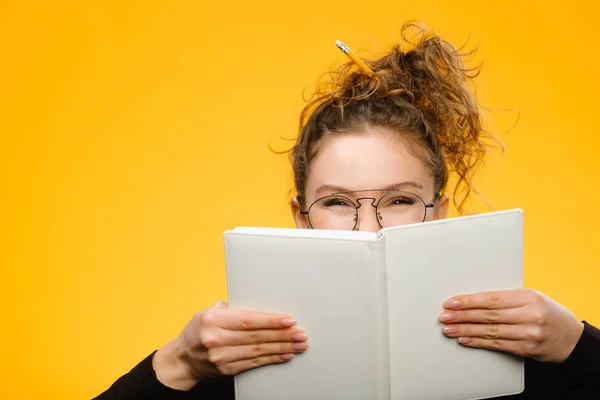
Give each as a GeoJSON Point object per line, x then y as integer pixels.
{"type": "Point", "coordinates": [441, 207]}
{"type": "Point", "coordinates": [300, 219]}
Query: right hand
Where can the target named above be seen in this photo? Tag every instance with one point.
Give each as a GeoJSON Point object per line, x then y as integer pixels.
{"type": "Point", "coordinates": [221, 341]}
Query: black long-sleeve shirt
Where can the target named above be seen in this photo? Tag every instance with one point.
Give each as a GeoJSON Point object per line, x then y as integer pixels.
{"type": "Point", "coordinates": [577, 378]}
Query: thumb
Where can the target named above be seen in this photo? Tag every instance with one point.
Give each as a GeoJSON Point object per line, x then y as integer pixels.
{"type": "Point", "coordinates": [220, 304]}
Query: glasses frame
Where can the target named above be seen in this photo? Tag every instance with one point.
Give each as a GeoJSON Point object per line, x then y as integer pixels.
{"type": "Point", "coordinates": [374, 203]}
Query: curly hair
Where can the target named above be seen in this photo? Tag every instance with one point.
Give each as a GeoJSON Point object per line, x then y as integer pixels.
{"type": "Point", "coordinates": [422, 93]}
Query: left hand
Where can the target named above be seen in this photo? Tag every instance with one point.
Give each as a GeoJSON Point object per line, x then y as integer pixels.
{"type": "Point", "coordinates": [523, 322]}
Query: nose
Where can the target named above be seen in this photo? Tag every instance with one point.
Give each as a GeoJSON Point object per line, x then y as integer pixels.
{"type": "Point", "coordinates": [367, 216]}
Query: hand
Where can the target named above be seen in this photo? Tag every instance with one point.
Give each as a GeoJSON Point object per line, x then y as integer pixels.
{"type": "Point", "coordinates": [220, 341]}
{"type": "Point", "coordinates": [523, 322]}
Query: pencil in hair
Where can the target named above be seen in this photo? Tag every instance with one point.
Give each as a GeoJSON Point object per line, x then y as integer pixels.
{"type": "Point", "coordinates": [360, 63]}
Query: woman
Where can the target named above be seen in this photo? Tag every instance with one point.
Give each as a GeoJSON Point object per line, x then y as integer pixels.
{"type": "Point", "coordinates": [403, 129]}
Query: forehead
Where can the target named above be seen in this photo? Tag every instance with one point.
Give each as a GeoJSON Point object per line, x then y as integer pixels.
{"type": "Point", "coordinates": [369, 159]}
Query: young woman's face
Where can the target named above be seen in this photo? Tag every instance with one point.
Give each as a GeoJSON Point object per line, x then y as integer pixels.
{"type": "Point", "coordinates": [367, 161]}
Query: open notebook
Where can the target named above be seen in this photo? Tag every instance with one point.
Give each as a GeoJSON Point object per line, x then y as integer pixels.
{"type": "Point", "coordinates": [370, 304]}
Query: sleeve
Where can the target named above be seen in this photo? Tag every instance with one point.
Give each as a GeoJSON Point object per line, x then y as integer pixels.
{"type": "Point", "coordinates": [141, 383]}
{"type": "Point", "coordinates": [584, 361]}
{"type": "Point", "coordinates": [577, 378]}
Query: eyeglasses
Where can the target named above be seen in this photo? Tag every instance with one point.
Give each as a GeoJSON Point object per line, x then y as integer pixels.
{"type": "Point", "coordinates": [393, 208]}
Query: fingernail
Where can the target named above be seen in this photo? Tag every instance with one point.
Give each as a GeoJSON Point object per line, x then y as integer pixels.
{"type": "Point", "coordinates": [447, 317]}
{"type": "Point", "coordinates": [300, 346]}
{"type": "Point", "coordinates": [452, 303]}
{"type": "Point", "coordinates": [286, 357]}
{"type": "Point", "coordinates": [465, 340]}
{"type": "Point", "coordinates": [299, 337]}
{"type": "Point", "coordinates": [450, 329]}
{"type": "Point", "coordinates": [287, 322]}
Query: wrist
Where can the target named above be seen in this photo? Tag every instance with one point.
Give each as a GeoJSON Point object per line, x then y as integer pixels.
{"type": "Point", "coordinates": [574, 336]}
{"type": "Point", "coordinates": [171, 367]}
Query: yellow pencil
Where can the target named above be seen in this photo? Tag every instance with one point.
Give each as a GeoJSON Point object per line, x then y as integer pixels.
{"type": "Point", "coordinates": [361, 64]}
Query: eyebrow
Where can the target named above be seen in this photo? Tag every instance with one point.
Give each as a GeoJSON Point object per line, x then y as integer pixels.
{"type": "Point", "coordinates": [328, 189]}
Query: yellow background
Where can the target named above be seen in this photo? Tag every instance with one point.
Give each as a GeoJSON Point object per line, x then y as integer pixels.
{"type": "Point", "coordinates": [134, 133]}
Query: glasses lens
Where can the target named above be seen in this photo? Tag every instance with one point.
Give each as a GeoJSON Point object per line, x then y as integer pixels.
{"type": "Point", "coordinates": [400, 208]}
{"type": "Point", "coordinates": [333, 212]}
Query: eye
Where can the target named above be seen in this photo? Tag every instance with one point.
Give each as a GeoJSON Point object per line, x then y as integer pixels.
{"type": "Point", "coordinates": [403, 200]}
{"type": "Point", "coordinates": [335, 202]}
{"type": "Point", "coordinates": [399, 201]}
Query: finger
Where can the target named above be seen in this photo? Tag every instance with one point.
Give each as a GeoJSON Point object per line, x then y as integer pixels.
{"type": "Point", "coordinates": [491, 331]}
{"type": "Point", "coordinates": [490, 300]}
{"type": "Point", "coordinates": [243, 320]}
{"type": "Point", "coordinates": [510, 346]}
{"type": "Point", "coordinates": [237, 367]}
{"type": "Point", "coordinates": [224, 355]}
{"type": "Point", "coordinates": [485, 316]}
{"type": "Point", "coordinates": [236, 338]}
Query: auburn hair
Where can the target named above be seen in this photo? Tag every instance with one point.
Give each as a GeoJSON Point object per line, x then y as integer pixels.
{"type": "Point", "coordinates": [422, 93]}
